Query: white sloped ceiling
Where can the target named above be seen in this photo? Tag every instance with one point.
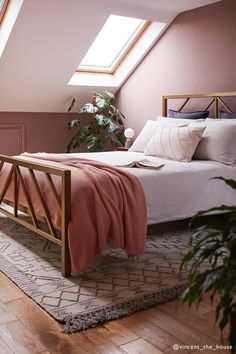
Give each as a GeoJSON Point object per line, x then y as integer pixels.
{"type": "Point", "coordinates": [50, 38]}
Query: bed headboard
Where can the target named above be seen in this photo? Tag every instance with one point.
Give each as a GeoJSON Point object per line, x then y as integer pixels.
{"type": "Point", "coordinates": [215, 99]}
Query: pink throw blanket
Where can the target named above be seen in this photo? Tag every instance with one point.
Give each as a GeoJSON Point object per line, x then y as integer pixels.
{"type": "Point", "coordinates": [106, 203]}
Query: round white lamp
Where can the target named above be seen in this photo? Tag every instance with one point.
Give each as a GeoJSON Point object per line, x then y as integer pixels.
{"type": "Point", "coordinates": [129, 134]}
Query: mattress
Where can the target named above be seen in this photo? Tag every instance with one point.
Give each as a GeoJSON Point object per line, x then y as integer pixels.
{"type": "Point", "coordinates": [178, 189]}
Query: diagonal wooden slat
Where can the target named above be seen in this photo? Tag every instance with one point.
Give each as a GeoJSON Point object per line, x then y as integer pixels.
{"type": "Point", "coordinates": [1, 165]}
{"type": "Point", "coordinates": [209, 105]}
{"type": "Point", "coordinates": [44, 204]}
{"type": "Point", "coordinates": [225, 105]}
{"type": "Point", "coordinates": [28, 199]}
{"type": "Point", "coordinates": [53, 189]}
{"type": "Point", "coordinates": [31, 227]}
{"type": "Point", "coordinates": [183, 105]}
{"type": "Point", "coordinates": [7, 183]}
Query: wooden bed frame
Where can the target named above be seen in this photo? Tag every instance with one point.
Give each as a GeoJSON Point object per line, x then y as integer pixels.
{"type": "Point", "coordinates": [63, 201]}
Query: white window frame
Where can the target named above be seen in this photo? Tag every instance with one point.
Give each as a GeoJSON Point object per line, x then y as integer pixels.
{"type": "Point", "coordinates": [119, 59]}
{"type": "Point", "coordinates": [126, 67]}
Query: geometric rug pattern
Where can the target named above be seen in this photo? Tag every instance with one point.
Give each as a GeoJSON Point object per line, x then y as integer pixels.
{"type": "Point", "coordinates": [114, 286]}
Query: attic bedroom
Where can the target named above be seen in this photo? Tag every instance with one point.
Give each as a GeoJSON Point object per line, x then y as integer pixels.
{"type": "Point", "coordinates": [117, 176]}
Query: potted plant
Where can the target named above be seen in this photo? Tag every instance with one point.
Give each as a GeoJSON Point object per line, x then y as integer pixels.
{"type": "Point", "coordinates": [105, 124]}
{"type": "Point", "coordinates": [212, 262]}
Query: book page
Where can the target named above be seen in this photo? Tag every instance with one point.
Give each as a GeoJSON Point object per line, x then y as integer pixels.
{"type": "Point", "coordinates": [142, 164]}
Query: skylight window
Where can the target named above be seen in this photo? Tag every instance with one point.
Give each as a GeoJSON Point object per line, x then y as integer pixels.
{"type": "Point", "coordinates": [3, 8]}
{"type": "Point", "coordinates": [112, 43]}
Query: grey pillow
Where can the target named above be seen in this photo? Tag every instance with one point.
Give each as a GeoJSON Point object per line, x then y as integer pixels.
{"type": "Point", "coordinates": [188, 115]}
{"type": "Point", "coordinates": [227, 115]}
{"type": "Point", "coordinates": [218, 143]}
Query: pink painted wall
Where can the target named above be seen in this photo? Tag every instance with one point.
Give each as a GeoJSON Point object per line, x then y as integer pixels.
{"type": "Point", "coordinates": [196, 54]}
{"type": "Point", "coordinates": [43, 131]}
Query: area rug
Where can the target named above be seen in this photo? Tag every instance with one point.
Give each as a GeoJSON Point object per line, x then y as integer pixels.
{"type": "Point", "coordinates": [113, 287]}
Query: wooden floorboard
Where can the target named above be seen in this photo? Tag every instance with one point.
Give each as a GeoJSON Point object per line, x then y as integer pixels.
{"type": "Point", "coordinates": [27, 329]}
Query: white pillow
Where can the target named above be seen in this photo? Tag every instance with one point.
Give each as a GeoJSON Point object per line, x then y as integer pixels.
{"type": "Point", "coordinates": [147, 132]}
{"type": "Point", "coordinates": [218, 142]}
{"type": "Point", "coordinates": [175, 142]}
{"type": "Point", "coordinates": [144, 136]}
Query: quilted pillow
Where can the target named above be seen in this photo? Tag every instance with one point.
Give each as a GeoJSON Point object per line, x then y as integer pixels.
{"type": "Point", "coordinates": [226, 115]}
{"type": "Point", "coordinates": [175, 142]}
{"type": "Point", "coordinates": [188, 115]}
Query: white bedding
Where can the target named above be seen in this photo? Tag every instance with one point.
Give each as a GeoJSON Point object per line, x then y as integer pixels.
{"type": "Point", "coordinates": [179, 189]}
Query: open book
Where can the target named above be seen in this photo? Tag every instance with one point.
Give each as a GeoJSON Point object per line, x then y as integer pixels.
{"type": "Point", "coordinates": [142, 164]}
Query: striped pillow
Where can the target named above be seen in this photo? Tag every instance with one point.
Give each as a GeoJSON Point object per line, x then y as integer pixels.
{"type": "Point", "coordinates": [175, 142]}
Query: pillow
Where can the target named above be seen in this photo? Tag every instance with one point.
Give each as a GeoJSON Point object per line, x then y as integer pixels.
{"type": "Point", "coordinates": [144, 136]}
{"type": "Point", "coordinates": [174, 142]}
{"type": "Point", "coordinates": [188, 115]}
{"type": "Point", "coordinates": [146, 133]}
{"type": "Point", "coordinates": [218, 142]}
{"type": "Point", "coordinates": [227, 115]}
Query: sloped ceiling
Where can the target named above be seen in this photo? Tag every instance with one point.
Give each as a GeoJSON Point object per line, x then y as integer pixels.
{"type": "Point", "coordinates": [50, 38]}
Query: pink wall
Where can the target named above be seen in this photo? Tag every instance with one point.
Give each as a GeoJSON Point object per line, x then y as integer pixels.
{"type": "Point", "coordinates": [43, 131]}
{"type": "Point", "coordinates": [196, 54]}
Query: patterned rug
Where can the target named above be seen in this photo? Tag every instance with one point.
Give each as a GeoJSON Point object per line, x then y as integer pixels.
{"type": "Point", "coordinates": [113, 287]}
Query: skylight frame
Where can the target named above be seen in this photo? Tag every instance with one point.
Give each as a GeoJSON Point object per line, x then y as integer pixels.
{"type": "Point", "coordinates": [121, 56]}
{"type": "Point", "coordinates": [3, 9]}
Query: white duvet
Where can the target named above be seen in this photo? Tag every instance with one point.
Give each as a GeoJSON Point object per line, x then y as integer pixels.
{"type": "Point", "coordinates": [178, 189]}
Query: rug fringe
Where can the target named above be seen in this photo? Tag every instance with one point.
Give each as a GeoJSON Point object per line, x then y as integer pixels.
{"type": "Point", "coordinates": [76, 323]}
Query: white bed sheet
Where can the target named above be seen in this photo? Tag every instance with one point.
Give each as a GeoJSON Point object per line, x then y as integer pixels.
{"type": "Point", "coordinates": [177, 190]}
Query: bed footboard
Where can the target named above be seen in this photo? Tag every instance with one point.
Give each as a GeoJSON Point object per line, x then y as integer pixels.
{"type": "Point", "coordinates": [14, 180]}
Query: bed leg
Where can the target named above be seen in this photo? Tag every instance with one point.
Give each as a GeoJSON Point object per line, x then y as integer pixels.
{"type": "Point", "coordinates": [65, 260]}
{"type": "Point", "coordinates": [66, 210]}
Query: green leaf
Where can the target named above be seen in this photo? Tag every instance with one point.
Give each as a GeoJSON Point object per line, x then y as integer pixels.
{"type": "Point", "coordinates": [97, 94]}
{"type": "Point", "coordinates": [73, 123]}
{"type": "Point", "coordinates": [113, 127]}
{"type": "Point", "coordinates": [101, 120]}
{"type": "Point", "coordinates": [71, 144]}
{"type": "Point", "coordinates": [102, 103]}
{"type": "Point", "coordinates": [88, 108]}
{"type": "Point", "coordinates": [230, 182]}
{"type": "Point", "coordinates": [85, 132]}
{"type": "Point", "coordinates": [110, 94]}
{"type": "Point", "coordinates": [224, 208]}
{"type": "Point", "coordinates": [95, 143]}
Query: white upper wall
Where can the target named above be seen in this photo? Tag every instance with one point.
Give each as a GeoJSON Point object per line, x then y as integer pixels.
{"type": "Point", "coordinates": [50, 38]}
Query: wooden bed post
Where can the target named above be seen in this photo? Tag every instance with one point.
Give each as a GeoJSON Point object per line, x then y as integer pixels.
{"type": "Point", "coordinates": [164, 106]}
{"type": "Point", "coordinates": [66, 212]}
{"type": "Point", "coordinates": [216, 107]}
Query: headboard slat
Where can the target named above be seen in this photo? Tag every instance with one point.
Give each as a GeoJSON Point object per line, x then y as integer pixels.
{"type": "Point", "coordinates": [225, 105]}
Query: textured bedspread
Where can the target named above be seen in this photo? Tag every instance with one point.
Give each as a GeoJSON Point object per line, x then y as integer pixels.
{"type": "Point", "coordinates": [106, 203]}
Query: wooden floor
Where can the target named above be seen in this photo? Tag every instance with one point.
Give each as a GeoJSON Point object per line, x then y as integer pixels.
{"type": "Point", "coordinates": [26, 329]}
